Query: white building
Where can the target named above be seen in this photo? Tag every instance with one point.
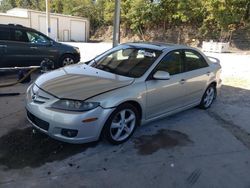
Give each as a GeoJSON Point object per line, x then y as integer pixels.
{"type": "Point", "coordinates": [63, 27]}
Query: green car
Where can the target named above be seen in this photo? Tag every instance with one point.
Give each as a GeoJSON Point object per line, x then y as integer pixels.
{"type": "Point", "coordinates": [21, 46]}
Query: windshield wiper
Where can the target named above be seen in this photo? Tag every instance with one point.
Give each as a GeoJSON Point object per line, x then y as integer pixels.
{"type": "Point", "coordinates": [105, 68]}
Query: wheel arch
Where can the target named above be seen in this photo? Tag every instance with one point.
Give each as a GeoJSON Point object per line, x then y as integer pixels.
{"type": "Point", "coordinates": [65, 54]}
{"type": "Point", "coordinates": [59, 61]}
{"type": "Point", "coordinates": [214, 83]}
{"type": "Point", "coordinates": [131, 102]}
{"type": "Point", "coordinates": [136, 105]}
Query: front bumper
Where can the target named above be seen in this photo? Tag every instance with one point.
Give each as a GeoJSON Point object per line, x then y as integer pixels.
{"type": "Point", "coordinates": [77, 57]}
{"type": "Point", "coordinates": [54, 122]}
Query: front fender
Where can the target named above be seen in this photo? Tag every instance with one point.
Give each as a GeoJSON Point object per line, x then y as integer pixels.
{"type": "Point", "coordinates": [135, 92]}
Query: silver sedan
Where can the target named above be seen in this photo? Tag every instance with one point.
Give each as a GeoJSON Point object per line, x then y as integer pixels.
{"type": "Point", "coordinates": [129, 85]}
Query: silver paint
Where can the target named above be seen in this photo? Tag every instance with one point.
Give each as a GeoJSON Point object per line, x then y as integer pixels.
{"type": "Point", "coordinates": [157, 98]}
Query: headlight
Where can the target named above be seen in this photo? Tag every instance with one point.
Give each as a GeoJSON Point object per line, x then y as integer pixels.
{"type": "Point", "coordinates": [77, 49]}
{"type": "Point", "coordinates": [74, 105]}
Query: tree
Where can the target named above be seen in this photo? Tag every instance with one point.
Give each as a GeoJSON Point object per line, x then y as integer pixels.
{"type": "Point", "coordinates": [211, 17]}
{"type": "Point", "coordinates": [57, 6]}
{"type": "Point", "coordinates": [7, 4]}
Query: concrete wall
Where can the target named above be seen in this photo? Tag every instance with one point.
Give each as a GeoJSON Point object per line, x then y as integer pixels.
{"type": "Point", "coordinates": [63, 24]}
{"type": "Point", "coordinates": [33, 19]}
{"type": "Point", "coordinates": [6, 19]}
{"type": "Point", "coordinates": [18, 12]}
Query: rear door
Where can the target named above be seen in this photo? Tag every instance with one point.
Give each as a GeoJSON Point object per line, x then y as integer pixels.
{"type": "Point", "coordinates": [166, 95]}
{"type": "Point", "coordinates": [196, 75]}
{"type": "Point", "coordinates": [4, 40]}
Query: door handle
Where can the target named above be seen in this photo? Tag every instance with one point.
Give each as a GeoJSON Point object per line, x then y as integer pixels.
{"type": "Point", "coordinates": [33, 47]}
{"type": "Point", "coordinates": [208, 73]}
{"type": "Point", "coordinates": [3, 46]}
{"type": "Point", "coordinates": [182, 81]}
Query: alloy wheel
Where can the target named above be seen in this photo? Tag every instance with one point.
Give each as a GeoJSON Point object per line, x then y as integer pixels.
{"type": "Point", "coordinates": [68, 61]}
{"type": "Point", "coordinates": [209, 97]}
{"type": "Point", "coordinates": [122, 125]}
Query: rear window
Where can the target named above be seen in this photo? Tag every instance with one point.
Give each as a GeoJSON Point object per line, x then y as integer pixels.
{"type": "Point", "coordinates": [4, 34]}
{"type": "Point", "coordinates": [20, 36]}
{"type": "Point", "coordinates": [194, 60]}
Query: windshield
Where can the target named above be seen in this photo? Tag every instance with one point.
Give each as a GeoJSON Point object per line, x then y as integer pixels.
{"type": "Point", "coordinates": [130, 62]}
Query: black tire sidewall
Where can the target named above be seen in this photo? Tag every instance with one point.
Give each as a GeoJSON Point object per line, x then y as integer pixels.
{"type": "Point", "coordinates": [106, 130]}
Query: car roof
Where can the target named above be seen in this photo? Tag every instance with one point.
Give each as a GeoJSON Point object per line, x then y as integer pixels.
{"type": "Point", "coordinates": [15, 26]}
{"type": "Point", "coordinates": [156, 45]}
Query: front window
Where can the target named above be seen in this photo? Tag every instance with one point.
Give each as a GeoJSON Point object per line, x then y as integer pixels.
{"type": "Point", "coordinates": [171, 63]}
{"type": "Point", "coordinates": [36, 38]}
{"type": "Point", "coordinates": [130, 62]}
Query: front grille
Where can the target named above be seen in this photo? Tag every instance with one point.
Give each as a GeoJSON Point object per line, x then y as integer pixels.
{"type": "Point", "coordinates": [38, 122]}
{"type": "Point", "coordinates": [39, 96]}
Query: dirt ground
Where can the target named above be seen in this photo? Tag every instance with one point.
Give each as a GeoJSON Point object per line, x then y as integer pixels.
{"type": "Point", "coordinates": [195, 148]}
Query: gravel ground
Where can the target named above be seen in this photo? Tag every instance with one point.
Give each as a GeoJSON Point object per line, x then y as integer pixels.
{"type": "Point", "coordinates": [235, 69]}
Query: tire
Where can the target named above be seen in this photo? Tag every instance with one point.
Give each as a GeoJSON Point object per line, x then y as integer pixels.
{"type": "Point", "coordinates": [121, 124]}
{"type": "Point", "coordinates": [208, 97]}
{"type": "Point", "coordinates": [66, 60]}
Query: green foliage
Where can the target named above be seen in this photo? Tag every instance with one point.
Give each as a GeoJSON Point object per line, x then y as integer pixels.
{"type": "Point", "coordinates": [108, 8]}
{"type": "Point", "coordinates": [210, 17]}
{"type": "Point", "coordinates": [6, 5]}
{"type": "Point", "coordinates": [223, 15]}
{"type": "Point", "coordinates": [29, 4]}
{"type": "Point", "coordinates": [57, 6]}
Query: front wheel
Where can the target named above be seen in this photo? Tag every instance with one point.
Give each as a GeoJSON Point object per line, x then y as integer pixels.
{"type": "Point", "coordinates": [208, 97]}
{"type": "Point", "coordinates": [67, 59]}
{"type": "Point", "coordinates": [121, 124]}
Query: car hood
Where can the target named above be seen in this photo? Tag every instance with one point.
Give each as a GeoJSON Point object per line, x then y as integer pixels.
{"type": "Point", "coordinates": [80, 82]}
{"type": "Point", "coordinates": [67, 45]}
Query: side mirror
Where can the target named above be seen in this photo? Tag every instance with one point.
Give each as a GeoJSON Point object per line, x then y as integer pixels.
{"type": "Point", "coordinates": [161, 75]}
{"type": "Point", "coordinates": [51, 43]}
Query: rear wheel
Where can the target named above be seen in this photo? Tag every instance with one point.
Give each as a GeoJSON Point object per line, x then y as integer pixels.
{"type": "Point", "coordinates": [121, 124]}
{"type": "Point", "coordinates": [208, 97]}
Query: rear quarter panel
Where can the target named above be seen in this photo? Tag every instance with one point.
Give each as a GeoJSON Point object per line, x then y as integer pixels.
{"type": "Point", "coordinates": [216, 69]}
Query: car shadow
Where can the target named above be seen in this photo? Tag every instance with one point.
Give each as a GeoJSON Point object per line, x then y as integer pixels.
{"type": "Point", "coordinates": [22, 148]}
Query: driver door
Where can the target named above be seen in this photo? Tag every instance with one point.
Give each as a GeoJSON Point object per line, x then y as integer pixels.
{"type": "Point", "coordinates": [41, 48]}
{"type": "Point", "coordinates": [164, 96]}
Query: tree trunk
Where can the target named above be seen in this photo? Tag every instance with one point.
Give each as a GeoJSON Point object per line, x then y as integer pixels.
{"type": "Point", "coordinates": [164, 28]}
{"type": "Point", "coordinates": [141, 33]}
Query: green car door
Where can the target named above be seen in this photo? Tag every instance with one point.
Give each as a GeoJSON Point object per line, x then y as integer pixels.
{"type": "Point", "coordinates": [4, 38]}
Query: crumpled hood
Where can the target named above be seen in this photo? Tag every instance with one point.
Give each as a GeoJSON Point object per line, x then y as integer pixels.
{"type": "Point", "coordinates": [80, 82]}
